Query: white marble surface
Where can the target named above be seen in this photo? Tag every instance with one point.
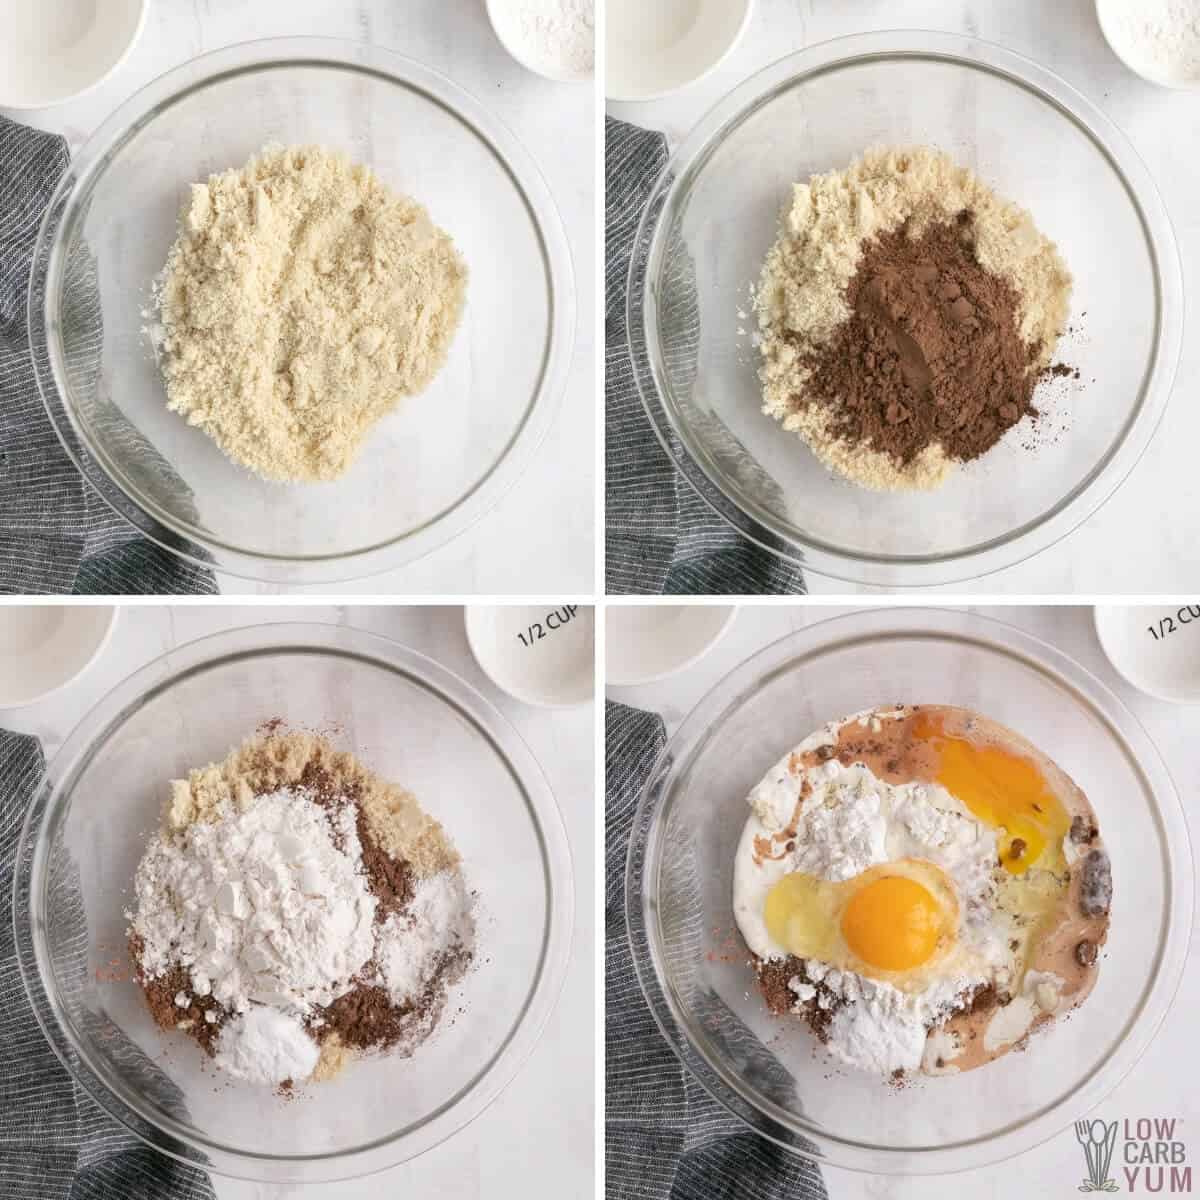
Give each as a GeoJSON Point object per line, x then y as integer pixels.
{"type": "Point", "coordinates": [1162, 1084]}
{"type": "Point", "coordinates": [541, 537]}
{"type": "Point", "coordinates": [547, 1111]}
{"type": "Point", "coordinates": [1144, 540]}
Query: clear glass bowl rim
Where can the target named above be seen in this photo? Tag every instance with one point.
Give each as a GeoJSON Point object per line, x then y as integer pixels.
{"type": "Point", "coordinates": [641, 881]}
{"type": "Point", "coordinates": [762, 527]}
{"type": "Point", "coordinates": [66, 208]}
{"type": "Point", "coordinates": [336, 641]}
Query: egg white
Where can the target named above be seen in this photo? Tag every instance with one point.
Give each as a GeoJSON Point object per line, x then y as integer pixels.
{"type": "Point", "coordinates": [853, 820]}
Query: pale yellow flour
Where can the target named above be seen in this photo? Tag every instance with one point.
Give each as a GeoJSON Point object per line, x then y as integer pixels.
{"type": "Point", "coordinates": [273, 761]}
{"type": "Point", "coordinates": [335, 1057]}
{"type": "Point", "coordinates": [302, 301]}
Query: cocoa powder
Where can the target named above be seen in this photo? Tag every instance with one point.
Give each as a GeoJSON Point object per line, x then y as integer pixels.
{"type": "Point", "coordinates": [390, 878]}
{"type": "Point", "coordinates": [160, 999]}
{"type": "Point", "coordinates": [366, 1018]}
{"type": "Point", "coordinates": [984, 999]}
{"type": "Point", "coordinates": [932, 350]}
{"type": "Point", "coordinates": [774, 980]}
{"type": "Point", "coordinates": [773, 977]}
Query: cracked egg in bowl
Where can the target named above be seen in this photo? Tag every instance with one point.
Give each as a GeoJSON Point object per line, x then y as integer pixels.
{"type": "Point", "coordinates": [921, 889]}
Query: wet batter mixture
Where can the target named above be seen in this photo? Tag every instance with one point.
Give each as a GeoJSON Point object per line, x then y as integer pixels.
{"type": "Point", "coordinates": [923, 887]}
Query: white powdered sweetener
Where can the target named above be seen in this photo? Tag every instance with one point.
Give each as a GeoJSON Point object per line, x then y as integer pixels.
{"type": "Point", "coordinates": [412, 944]}
{"type": "Point", "coordinates": [264, 1045]}
{"type": "Point", "coordinates": [261, 906]}
{"type": "Point", "coordinates": [881, 1028]}
{"type": "Point", "coordinates": [558, 36]}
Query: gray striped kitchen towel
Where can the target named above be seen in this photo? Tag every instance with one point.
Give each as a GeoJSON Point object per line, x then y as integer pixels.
{"type": "Point", "coordinates": [665, 1137]}
{"type": "Point", "coordinates": [56, 1143]}
{"type": "Point", "coordinates": [660, 536]}
{"type": "Point", "coordinates": [56, 535]}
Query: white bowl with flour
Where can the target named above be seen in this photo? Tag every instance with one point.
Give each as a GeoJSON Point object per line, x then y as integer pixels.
{"type": "Point", "coordinates": [553, 38]}
{"type": "Point", "coordinates": [1157, 39]}
{"type": "Point", "coordinates": [53, 50]}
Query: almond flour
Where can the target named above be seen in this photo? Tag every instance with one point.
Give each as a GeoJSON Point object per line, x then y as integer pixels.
{"type": "Point", "coordinates": [301, 302]}
{"type": "Point", "coordinates": [285, 759]}
{"type": "Point", "coordinates": [801, 298]}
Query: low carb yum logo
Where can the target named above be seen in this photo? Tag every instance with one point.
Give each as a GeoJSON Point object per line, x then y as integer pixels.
{"type": "Point", "coordinates": [1099, 1140]}
{"type": "Point", "coordinates": [1145, 1152]}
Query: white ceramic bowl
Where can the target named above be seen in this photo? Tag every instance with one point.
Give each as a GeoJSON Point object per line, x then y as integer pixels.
{"type": "Point", "coordinates": [1121, 46]}
{"type": "Point", "coordinates": [503, 17]}
{"type": "Point", "coordinates": [541, 654]}
{"type": "Point", "coordinates": [654, 49]}
{"type": "Point", "coordinates": [1155, 647]}
{"type": "Point", "coordinates": [648, 642]}
{"type": "Point", "coordinates": [43, 647]}
{"type": "Point", "coordinates": [53, 50]}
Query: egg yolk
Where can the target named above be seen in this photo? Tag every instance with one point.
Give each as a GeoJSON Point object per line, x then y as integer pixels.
{"type": "Point", "coordinates": [1002, 789]}
{"type": "Point", "coordinates": [886, 922]}
{"type": "Point", "coordinates": [893, 924]}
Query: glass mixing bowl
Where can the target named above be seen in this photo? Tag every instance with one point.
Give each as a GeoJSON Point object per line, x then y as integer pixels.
{"type": "Point", "coordinates": [428, 470]}
{"type": "Point", "coordinates": [713, 216]}
{"type": "Point", "coordinates": [410, 720]}
{"type": "Point", "coordinates": [693, 964]}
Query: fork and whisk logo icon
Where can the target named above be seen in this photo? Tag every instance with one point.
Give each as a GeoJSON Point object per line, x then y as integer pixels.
{"type": "Point", "coordinates": [1098, 1139]}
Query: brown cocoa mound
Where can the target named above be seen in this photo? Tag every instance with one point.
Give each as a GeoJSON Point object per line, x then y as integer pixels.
{"type": "Point", "coordinates": [774, 977]}
{"type": "Point", "coordinates": [365, 1017]}
{"type": "Point", "coordinates": [160, 999]}
{"type": "Point", "coordinates": [932, 351]}
{"type": "Point", "coordinates": [390, 879]}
